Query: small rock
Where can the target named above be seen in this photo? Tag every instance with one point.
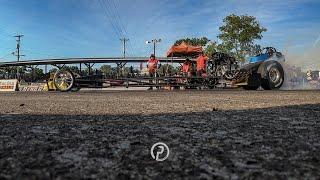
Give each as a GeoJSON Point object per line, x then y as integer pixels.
{"type": "Point", "coordinates": [21, 105]}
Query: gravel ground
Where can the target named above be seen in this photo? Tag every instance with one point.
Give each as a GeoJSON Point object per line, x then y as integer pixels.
{"type": "Point", "coordinates": [228, 134]}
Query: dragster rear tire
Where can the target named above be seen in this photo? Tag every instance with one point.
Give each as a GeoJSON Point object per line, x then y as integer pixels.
{"type": "Point", "coordinates": [274, 76]}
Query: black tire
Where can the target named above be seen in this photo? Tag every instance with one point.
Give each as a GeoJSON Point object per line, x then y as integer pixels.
{"type": "Point", "coordinates": [274, 76]}
{"type": "Point", "coordinates": [211, 83]}
{"type": "Point", "coordinates": [253, 82]}
{"type": "Point", "coordinates": [250, 87]}
{"type": "Point", "coordinates": [64, 80]}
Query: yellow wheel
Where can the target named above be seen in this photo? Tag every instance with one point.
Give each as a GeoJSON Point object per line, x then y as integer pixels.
{"type": "Point", "coordinates": [63, 80]}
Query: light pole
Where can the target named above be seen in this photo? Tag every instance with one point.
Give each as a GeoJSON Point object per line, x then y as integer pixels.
{"type": "Point", "coordinates": [154, 41]}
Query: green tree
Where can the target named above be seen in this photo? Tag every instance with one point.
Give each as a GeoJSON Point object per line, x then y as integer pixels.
{"type": "Point", "coordinates": [3, 72]}
{"type": "Point", "coordinates": [32, 74]}
{"type": "Point", "coordinates": [74, 69]}
{"type": "Point", "coordinates": [106, 70]}
{"type": "Point", "coordinates": [53, 70]}
{"type": "Point", "coordinates": [167, 69]}
{"type": "Point", "coordinates": [238, 35]}
{"type": "Point", "coordinates": [215, 47]}
{"type": "Point", "coordinates": [193, 41]}
{"type": "Point", "coordinates": [39, 72]}
{"type": "Point", "coordinates": [211, 48]}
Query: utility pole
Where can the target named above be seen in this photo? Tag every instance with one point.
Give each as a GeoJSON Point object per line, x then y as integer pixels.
{"type": "Point", "coordinates": [124, 40]}
{"type": "Point", "coordinates": [17, 53]}
{"type": "Point", "coordinates": [122, 64]}
{"type": "Point", "coordinates": [154, 41]}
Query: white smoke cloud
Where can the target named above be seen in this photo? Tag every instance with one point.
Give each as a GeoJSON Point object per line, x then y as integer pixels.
{"type": "Point", "coordinates": [316, 41]}
{"type": "Point", "coordinates": [309, 59]}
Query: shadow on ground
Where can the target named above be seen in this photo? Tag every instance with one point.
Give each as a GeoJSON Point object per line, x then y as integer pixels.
{"type": "Point", "coordinates": [269, 143]}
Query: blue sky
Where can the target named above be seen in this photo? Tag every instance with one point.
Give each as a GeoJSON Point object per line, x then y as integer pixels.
{"type": "Point", "coordinates": [82, 28]}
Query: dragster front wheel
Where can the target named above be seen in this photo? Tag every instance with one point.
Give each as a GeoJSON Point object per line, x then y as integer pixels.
{"type": "Point", "coordinates": [64, 80]}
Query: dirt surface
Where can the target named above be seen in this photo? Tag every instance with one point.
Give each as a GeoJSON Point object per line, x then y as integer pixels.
{"type": "Point", "coordinates": [228, 134]}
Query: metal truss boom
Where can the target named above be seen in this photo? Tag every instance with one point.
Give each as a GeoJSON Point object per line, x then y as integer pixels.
{"type": "Point", "coordinates": [116, 60]}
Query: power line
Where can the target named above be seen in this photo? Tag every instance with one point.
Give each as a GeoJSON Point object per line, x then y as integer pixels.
{"type": "Point", "coordinates": [4, 37]}
{"type": "Point", "coordinates": [118, 20]}
{"type": "Point", "coordinates": [109, 18]}
{"type": "Point", "coordinates": [113, 18]}
{"type": "Point", "coordinates": [5, 34]}
{"type": "Point", "coordinates": [38, 53]}
{"type": "Point", "coordinates": [6, 31]}
{"type": "Point", "coordinates": [114, 11]}
{"type": "Point", "coordinates": [117, 7]}
{"type": "Point", "coordinates": [5, 49]}
{"type": "Point", "coordinates": [5, 56]}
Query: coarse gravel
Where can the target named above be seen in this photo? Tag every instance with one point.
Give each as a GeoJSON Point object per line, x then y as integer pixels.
{"type": "Point", "coordinates": [229, 134]}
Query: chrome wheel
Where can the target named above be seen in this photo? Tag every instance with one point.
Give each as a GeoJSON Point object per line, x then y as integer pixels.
{"type": "Point", "coordinates": [274, 75]}
{"type": "Point", "coordinates": [63, 80]}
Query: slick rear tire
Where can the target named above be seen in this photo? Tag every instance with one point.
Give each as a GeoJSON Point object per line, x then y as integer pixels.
{"type": "Point", "coordinates": [274, 77]}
